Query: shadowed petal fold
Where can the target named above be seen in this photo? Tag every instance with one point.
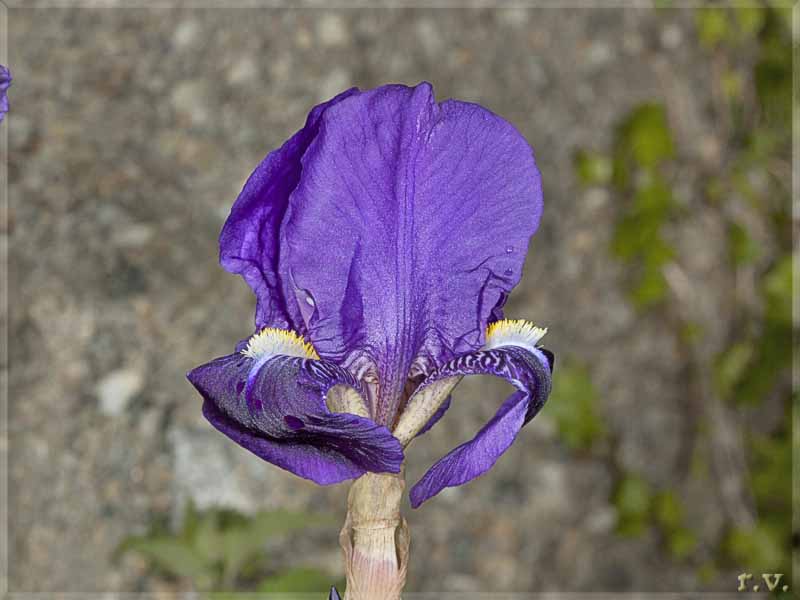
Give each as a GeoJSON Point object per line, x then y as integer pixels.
{"type": "Point", "coordinates": [527, 370]}
{"type": "Point", "coordinates": [249, 240]}
{"type": "Point", "coordinates": [406, 231]}
{"type": "Point", "coordinates": [276, 408]}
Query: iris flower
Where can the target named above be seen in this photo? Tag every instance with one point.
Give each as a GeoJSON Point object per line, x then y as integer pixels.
{"type": "Point", "coordinates": [381, 241]}
{"type": "Point", "coordinates": [5, 83]}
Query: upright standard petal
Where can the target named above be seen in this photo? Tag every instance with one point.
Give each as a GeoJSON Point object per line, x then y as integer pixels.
{"type": "Point", "coordinates": [5, 83]}
{"type": "Point", "coordinates": [529, 370]}
{"type": "Point", "coordinates": [276, 407]}
{"type": "Point", "coordinates": [249, 240]}
{"type": "Point", "coordinates": [407, 229]}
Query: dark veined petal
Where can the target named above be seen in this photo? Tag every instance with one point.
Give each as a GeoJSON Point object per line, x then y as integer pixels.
{"type": "Point", "coordinates": [5, 82]}
{"type": "Point", "coordinates": [276, 408]}
{"type": "Point", "coordinates": [529, 370]}
{"type": "Point", "coordinates": [249, 239]}
{"type": "Point", "coordinates": [407, 229]}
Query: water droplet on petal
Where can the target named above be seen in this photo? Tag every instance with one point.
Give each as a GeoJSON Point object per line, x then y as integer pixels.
{"type": "Point", "coordinates": [309, 301]}
{"type": "Point", "coordinates": [509, 250]}
{"type": "Point", "coordinates": [508, 272]}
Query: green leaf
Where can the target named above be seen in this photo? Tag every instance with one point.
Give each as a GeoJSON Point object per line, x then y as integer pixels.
{"type": "Point", "coordinates": [773, 77]}
{"type": "Point", "coordinates": [572, 406]}
{"type": "Point", "coordinates": [207, 540]}
{"type": "Point", "coordinates": [645, 134]}
{"type": "Point", "coordinates": [653, 200]}
{"type": "Point", "coordinates": [771, 362]}
{"type": "Point", "coordinates": [763, 144]}
{"type": "Point", "coordinates": [650, 290]}
{"type": "Point", "coordinates": [716, 189]}
{"type": "Point", "coordinates": [668, 511]}
{"type": "Point", "coordinates": [239, 546]}
{"type": "Point", "coordinates": [620, 169]}
{"type": "Point", "coordinates": [772, 465]}
{"type": "Point", "coordinates": [297, 580]}
{"type": "Point", "coordinates": [708, 572]}
{"type": "Point", "coordinates": [173, 556]}
{"type": "Point", "coordinates": [777, 289]}
{"type": "Point", "coordinates": [732, 84]}
{"type": "Point", "coordinates": [690, 333]}
{"type": "Point", "coordinates": [730, 367]}
{"type": "Point", "coordinates": [657, 254]}
{"type": "Point", "coordinates": [713, 26]}
{"type": "Point", "coordinates": [244, 542]}
{"type": "Point", "coordinates": [782, 13]}
{"type": "Point", "coordinates": [669, 516]}
{"type": "Point", "coordinates": [743, 248]}
{"type": "Point", "coordinates": [191, 521]}
{"type": "Point", "coordinates": [279, 522]}
{"type": "Point", "coordinates": [635, 237]}
{"type": "Point", "coordinates": [593, 168]}
{"type": "Point", "coordinates": [759, 548]}
{"type": "Point", "coordinates": [633, 499]}
{"type": "Point", "coordinates": [681, 542]}
{"type": "Point", "coordinates": [750, 20]}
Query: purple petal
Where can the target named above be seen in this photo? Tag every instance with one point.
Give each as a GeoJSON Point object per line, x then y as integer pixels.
{"type": "Point", "coordinates": [277, 410]}
{"type": "Point", "coordinates": [249, 239]}
{"type": "Point", "coordinates": [334, 595]}
{"type": "Point", "coordinates": [5, 83]}
{"type": "Point", "coordinates": [407, 229]}
{"type": "Point", "coordinates": [529, 372]}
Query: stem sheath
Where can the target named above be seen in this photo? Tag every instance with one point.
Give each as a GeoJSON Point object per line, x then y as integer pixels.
{"type": "Point", "coordinates": [375, 538]}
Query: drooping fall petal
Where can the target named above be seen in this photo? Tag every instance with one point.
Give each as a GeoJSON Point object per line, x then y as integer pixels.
{"type": "Point", "coordinates": [276, 408]}
{"type": "Point", "coordinates": [529, 370]}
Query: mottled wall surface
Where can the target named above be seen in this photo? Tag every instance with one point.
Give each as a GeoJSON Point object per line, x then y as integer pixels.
{"type": "Point", "coordinates": [130, 134]}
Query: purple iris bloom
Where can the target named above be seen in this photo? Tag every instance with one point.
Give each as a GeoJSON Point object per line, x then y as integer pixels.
{"type": "Point", "coordinates": [5, 83]}
{"type": "Point", "coordinates": [381, 241]}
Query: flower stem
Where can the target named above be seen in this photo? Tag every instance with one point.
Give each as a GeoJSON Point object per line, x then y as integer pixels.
{"type": "Point", "coordinates": [375, 538]}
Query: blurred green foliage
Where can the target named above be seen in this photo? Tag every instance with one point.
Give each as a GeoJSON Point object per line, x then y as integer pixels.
{"type": "Point", "coordinates": [572, 406]}
{"type": "Point", "coordinates": [670, 517]}
{"type": "Point", "coordinates": [751, 78]}
{"type": "Point", "coordinates": [593, 168]}
{"type": "Point", "coordinates": [224, 550]}
{"type": "Point", "coordinates": [718, 25]}
{"type": "Point", "coordinates": [766, 545]}
{"type": "Point", "coordinates": [297, 580]}
{"type": "Point", "coordinates": [643, 145]}
{"type": "Point", "coordinates": [751, 367]}
{"type": "Point", "coordinates": [757, 363]}
{"type": "Point", "coordinates": [640, 506]}
{"type": "Point", "coordinates": [757, 548]}
{"type": "Point", "coordinates": [643, 141]}
{"type": "Point", "coordinates": [633, 500]}
{"type": "Point", "coordinates": [744, 250]}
